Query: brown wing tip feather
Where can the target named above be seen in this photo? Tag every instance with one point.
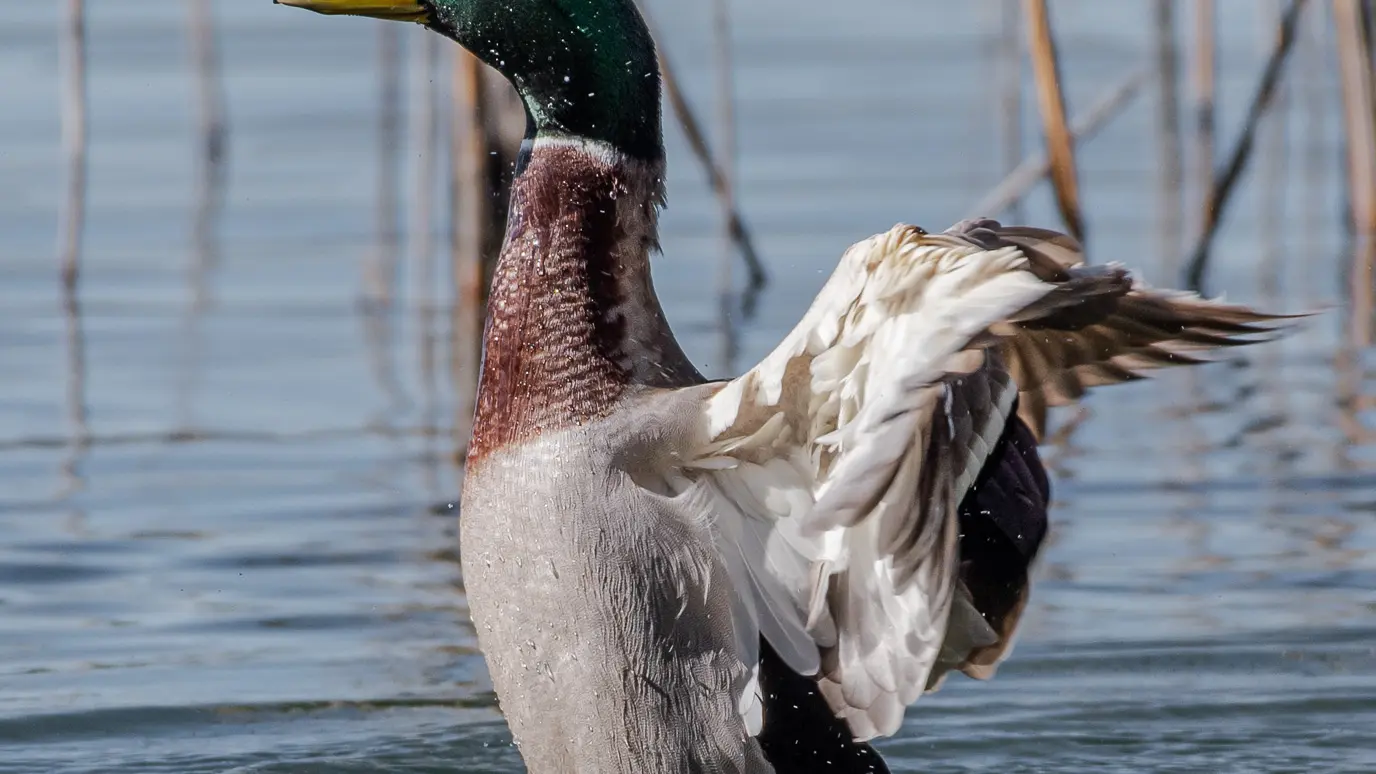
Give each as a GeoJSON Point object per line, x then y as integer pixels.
{"type": "Point", "coordinates": [1217, 318]}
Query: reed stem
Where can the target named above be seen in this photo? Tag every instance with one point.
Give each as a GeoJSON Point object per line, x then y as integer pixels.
{"type": "Point", "coordinates": [1222, 188]}
{"type": "Point", "coordinates": [1060, 143]}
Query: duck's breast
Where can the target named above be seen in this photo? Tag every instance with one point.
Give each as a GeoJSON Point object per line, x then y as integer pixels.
{"type": "Point", "coordinates": [602, 611]}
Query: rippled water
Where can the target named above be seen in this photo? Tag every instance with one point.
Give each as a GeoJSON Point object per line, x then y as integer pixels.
{"type": "Point", "coordinates": [252, 565]}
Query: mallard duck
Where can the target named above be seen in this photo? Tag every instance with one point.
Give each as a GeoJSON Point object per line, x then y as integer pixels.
{"type": "Point", "coordinates": [670, 574]}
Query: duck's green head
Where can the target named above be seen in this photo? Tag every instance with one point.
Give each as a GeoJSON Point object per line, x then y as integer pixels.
{"type": "Point", "coordinates": [584, 68]}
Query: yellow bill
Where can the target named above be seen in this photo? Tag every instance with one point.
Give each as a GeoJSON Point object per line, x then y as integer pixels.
{"type": "Point", "coordinates": [396, 10]}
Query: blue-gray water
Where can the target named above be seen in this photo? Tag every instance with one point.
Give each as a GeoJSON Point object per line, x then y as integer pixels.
{"type": "Point", "coordinates": [252, 566]}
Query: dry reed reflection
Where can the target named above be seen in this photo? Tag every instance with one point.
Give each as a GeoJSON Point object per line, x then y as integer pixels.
{"type": "Point", "coordinates": [1221, 188]}
{"type": "Point", "coordinates": [1009, 56]}
{"type": "Point", "coordinates": [1202, 75]}
{"type": "Point", "coordinates": [72, 53]}
{"type": "Point", "coordinates": [1362, 281]}
{"type": "Point", "coordinates": [212, 150]}
{"type": "Point", "coordinates": [425, 139]}
{"type": "Point", "coordinates": [1315, 96]}
{"type": "Point", "coordinates": [1186, 514]}
{"type": "Point", "coordinates": [1274, 139]}
{"type": "Point", "coordinates": [1203, 70]}
{"type": "Point", "coordinates": [213, 123]}
{"type": "Point", "coordinates": [79, 439]}
{"type": "Point", "coordinates": [1168, 130]}
{"type": "Point", "coordinates": [1352, 24]}
{"type": "Point", "coordinates": [1354, 398]}
{"type": "Point", "coordinates": [1273, 407]}
{"type": "Point", "coordinates": [380, 269]}
{"type": "Point", "coordinates": [73, 223]}
{"type": "Point", "coordinates": [1359, 112]}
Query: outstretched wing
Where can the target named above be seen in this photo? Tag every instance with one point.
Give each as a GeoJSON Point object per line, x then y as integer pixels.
{"type": "Point", "coordinates": [834, 468]}
{"type": "Point", "coordinates": [1105, 340]}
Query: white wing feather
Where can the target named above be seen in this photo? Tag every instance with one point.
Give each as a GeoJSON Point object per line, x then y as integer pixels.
{"type": "Point", "coordinates": [833, 433]}
{"type": "Point", "coordinates": [834, 468]}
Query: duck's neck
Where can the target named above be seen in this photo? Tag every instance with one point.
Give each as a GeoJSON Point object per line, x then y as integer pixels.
{"type": "Point", "coordinates": [573, 320]}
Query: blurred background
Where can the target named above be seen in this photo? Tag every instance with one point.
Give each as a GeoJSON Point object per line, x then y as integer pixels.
{"type": "Point", "coordinates": [242, 250]}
